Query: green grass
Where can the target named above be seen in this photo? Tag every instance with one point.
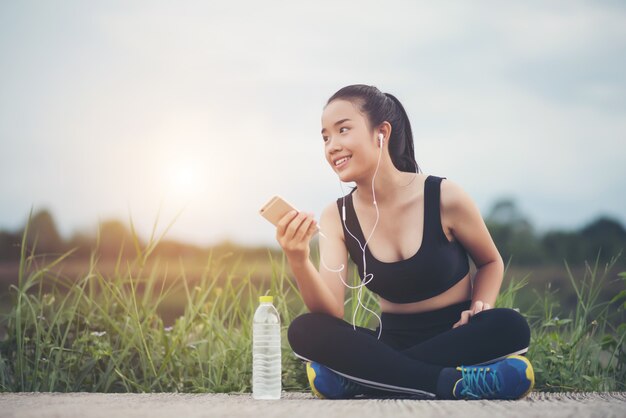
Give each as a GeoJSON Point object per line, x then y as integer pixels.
{"type": "Point", "coordinates": [104, 334]}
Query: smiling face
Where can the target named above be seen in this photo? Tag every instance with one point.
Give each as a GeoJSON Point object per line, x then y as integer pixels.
{"type": "Point", "coordinates": [346, 133]}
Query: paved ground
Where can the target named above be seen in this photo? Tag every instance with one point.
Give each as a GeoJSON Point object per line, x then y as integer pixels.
{"type": "Point", "coordinates": [301, 405]}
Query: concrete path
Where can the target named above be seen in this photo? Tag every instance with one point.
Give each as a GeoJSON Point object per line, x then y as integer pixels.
{"type": "Point", "coordinates": [301, 405]}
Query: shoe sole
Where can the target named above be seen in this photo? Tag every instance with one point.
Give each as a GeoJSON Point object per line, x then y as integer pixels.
{"type": "Point", "coordinates": [530, 375]}
{"type": "Point", "coordinates": [310, 373]}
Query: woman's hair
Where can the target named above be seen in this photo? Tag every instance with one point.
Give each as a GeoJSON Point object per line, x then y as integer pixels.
{"type": "Point", "coordinates": [379, 107]}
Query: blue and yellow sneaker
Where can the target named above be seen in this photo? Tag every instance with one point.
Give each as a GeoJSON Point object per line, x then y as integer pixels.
{"type": "Point", "coordinates": [326, 384]}
{"type": "Point", "coordinates": [511, 378]}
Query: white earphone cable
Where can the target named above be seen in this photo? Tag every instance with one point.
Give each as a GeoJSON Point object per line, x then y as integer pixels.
{"type": "Point", "coordinates": [366, 277]}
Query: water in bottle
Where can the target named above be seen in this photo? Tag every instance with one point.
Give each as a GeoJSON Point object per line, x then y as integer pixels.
{"type": "Point", "coordinates": [266, 357]}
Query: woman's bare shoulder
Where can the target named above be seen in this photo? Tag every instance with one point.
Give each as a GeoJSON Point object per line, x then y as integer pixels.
{"type": "Point", "coordinates": [467, 225]}
{"type": "Point", "coordinates": [330, 220]}
{"type": "Point", "coordinates": [454, 202]}
{"type": "Point", "coordinates": [453, 195]}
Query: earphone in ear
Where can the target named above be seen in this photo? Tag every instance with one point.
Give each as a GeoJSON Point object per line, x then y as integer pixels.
{"type": "Point", "coordinates": [366, 277]}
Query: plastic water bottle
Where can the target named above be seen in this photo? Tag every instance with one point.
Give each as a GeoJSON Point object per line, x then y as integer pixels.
{"type": "Point", "coordinates": [266, 356]}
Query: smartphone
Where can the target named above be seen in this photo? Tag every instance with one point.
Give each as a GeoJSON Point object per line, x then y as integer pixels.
{"type": "Point", "coordinates": [276, 208]}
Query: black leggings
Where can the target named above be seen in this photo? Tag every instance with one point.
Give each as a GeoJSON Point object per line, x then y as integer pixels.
{"type": "Point", "coordinates": [413, 348]}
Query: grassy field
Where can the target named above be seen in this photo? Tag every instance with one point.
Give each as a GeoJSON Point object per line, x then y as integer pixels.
{"type": "Point", "coordinates": [106, 332]}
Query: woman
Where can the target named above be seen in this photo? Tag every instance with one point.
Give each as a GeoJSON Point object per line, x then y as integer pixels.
{"type": "Point", "coordinates": [439, 336]}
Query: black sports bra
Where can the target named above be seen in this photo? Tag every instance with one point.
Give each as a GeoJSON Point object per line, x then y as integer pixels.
{"type": "Point", "coordinates": [437, 265]}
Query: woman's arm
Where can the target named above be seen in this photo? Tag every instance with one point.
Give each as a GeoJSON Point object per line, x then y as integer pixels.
{"type": "Point", "coordinates": [317, 295]}
{"type": "Point", "coordinates": [321, 291]}
{"type": "Point", "coordinates": [469, 228]}
{"type": "Point", "coordinates": [487, 281]}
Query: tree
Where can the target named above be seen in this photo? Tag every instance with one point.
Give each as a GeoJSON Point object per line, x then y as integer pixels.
{"type": "Point", "coordinates": [43, 233]}
{"type": "Point", "coordinates": [513, 234]}
{"type": "Point", "coordinates": [604, 235]}
{"type": "Point", "coordinates": [115, 237]}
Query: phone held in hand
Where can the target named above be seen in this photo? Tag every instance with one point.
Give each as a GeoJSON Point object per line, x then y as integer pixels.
{"type": "Point", "coordinates": [276, 208]}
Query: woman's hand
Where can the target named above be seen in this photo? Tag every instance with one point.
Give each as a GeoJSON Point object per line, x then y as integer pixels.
{"type": "Point", "coordinates": [293, 233]}
{"type": "Point", "coordinates": [479, 305]}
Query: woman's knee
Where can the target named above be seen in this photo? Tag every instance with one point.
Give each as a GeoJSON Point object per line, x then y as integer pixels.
{"type": "Point", "coordinates": [510, 324]}
{"type": "Point", "coordinates": [305, 333]}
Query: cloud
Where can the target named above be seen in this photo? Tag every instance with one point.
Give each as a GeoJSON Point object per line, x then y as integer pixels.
{"type": "Point", "coordinates": [100, 101]}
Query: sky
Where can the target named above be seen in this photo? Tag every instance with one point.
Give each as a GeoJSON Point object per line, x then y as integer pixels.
{"type": "Point", "coordinates": [192, 114]}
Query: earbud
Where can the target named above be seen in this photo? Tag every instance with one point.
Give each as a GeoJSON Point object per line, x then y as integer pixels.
{"type": "Point", "coordinates": [367, 277]}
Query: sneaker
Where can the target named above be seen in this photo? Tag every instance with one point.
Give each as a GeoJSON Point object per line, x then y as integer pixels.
{"type": "Point", "coordinates": [326, 384]}
{"type": "Point", "coordinates": [511, 378]}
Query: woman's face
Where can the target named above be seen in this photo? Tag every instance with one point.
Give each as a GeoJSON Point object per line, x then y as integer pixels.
{"type": "Point", "coordinates": [345, 134]}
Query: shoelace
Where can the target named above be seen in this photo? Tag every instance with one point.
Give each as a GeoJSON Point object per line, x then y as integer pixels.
{"type": "Point", "coordinates": [475, 384]}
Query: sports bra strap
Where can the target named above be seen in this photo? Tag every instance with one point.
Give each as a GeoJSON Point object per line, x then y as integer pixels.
{"type": "Point", "coordinates": [434, 268]}
{"type": "Point", "coordinates": [433, 229]}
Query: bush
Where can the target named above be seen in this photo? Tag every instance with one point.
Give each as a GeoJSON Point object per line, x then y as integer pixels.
{"type": "Point", "coordinates": [101, 334]}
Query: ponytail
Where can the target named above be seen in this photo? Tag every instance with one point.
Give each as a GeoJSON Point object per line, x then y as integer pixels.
{"type": "Point", "coordinates": [403, 147]}
{"type": "Point", "coordinates": [378, 108]}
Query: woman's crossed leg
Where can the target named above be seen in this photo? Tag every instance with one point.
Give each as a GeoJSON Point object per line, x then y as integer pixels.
{"type": "Point", "coordinates": [393, 365]}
